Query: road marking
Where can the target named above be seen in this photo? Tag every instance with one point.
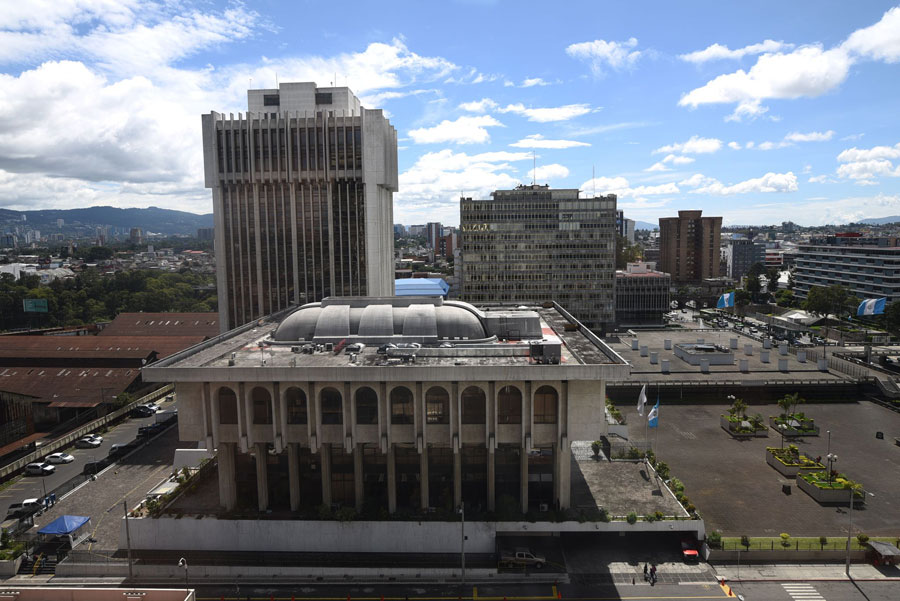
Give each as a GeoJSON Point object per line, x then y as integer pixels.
{"type": "Point", "coordinates": [802, 592]}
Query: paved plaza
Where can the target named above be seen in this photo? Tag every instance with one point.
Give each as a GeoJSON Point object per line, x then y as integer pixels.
{"type": "Point", "coordinates": [738, 493]}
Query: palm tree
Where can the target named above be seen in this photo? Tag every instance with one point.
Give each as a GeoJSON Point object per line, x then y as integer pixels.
{"type": "Point", "coordinates": [788, 403]}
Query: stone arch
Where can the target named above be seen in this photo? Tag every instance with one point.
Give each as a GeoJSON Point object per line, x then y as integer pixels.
{"type": "Point", "coordinates": [546, 405]}
{"type": "Point", "coordinates": [402, 402]}
{"type": "Point", "coordinates": [227, 405]}
{"type": "Point", "coordinates": [474, 405]}
{"type": "Point", "coordinates": [296, 405]}
{"type": "Point", "coordinates": [366, 406]}
{"type": "Point", "coordinates": [509, 405]}
{"type": "Point", "coordinates": [437, 405]}
{"type": "Point", "coordinates": [261, 404]}
{"type": "Point", "coordinates": [332, 403]}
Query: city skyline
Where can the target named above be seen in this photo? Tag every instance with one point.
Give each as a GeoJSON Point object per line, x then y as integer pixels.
{"type": "Point", "coordinates": [663, 119]}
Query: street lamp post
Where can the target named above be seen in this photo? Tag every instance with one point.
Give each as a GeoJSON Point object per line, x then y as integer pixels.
{"type": "Point", "coordinates": [462, 542]}
{"type": "Point", "coordinates": [182, 563]}
{"type": "Point", "coordinates": [850, 529]}
{"type": "Point", "coordinates": [828, 454]}
{"type": "Point", "coordinates": [781, 428]}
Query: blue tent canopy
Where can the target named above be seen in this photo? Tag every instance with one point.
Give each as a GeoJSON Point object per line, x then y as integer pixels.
{"type": "Point", "coordinates": [64, 524]}
{"type": "Point", "coordinates": [421, 287]}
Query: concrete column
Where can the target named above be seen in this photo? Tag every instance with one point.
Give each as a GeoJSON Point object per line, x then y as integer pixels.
{"type": "Point", "coordinates": [227, 482]}
{"type": "Point", "coordinates": [523, 478]}
{"type": "Point", "coordinates": [358, 476]}
{"type": "Point", "coordinates": [262, 476]}
{"type": "Point", "coordinates": [326, 474]}
{"type": "Point", "coordinates": [491, 476]}
{"type": "Point", "coordinates": [565, 476]}
{"type": "Point", "coordinates": [391, 480]}
{"type": "Point", "coordinates": [294, 474]}
{"type": "Point", "coordinates": [423, 478]}
{"type": "Point", "coordinates": [457, 479]}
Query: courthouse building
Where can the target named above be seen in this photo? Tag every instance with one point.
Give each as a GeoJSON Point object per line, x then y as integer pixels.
{"type": "Point", "coordinates": [404, 403]}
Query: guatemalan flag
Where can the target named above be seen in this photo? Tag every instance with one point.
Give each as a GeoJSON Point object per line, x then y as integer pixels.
{"type": "Point", "coordinates": [872, 306]}
{"type": "Point", "coordinates": [726, 300]}
{"type": "Point", "coordinates": [653, 416]}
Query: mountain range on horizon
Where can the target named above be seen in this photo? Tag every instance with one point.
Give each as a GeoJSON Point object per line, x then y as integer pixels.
{"type": "Point", "coordinates": [167, 222]}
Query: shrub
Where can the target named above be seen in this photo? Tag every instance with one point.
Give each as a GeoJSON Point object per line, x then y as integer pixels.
{"type": "Point", "coordinates": [650, 518]}
{"type": "Point", "coordinates": [785, 539]}
{"type": "Point", "coordinates": [676, 485]}
{"type": "Point", "coordinates": [345, 514]}
{"type": "Point", "coordinates": [595, 447]}
{"type": "Point", "coordinates": [862, 538]}
{"type": "Point", "coordinates": [659, 515]}
{"type": "Point", "coordinates": [604, 515]}
{"type": "Point", "coordinates": [651, 457]}
{"type": "Point", "coordinates": [823, 540]}
{"type": "Point", "coordinates": [635, 453]}
{"type": "Point", "coordinates": [631, 518]}
{"type": "Point", "coordinates": [662, 468]}
{"type": "Point", "coordinates": [324, 512]}
{"type": "Point", "coordinates": [714, 539]}
{"type": "Point", "coordinates": [745, 541]}
{"type": "Point", "coordinates": [690, 508]}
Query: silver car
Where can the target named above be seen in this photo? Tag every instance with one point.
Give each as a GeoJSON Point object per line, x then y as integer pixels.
{"type": "Point", "coordinates": [39, 469]}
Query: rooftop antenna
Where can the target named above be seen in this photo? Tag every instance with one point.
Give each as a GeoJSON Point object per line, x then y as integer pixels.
{"type": "Point", "coordinates": [251, 83]}
{"type": "Point", "coordinates": [594, 180]}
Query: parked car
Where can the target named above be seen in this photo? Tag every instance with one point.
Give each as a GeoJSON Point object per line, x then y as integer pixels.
{"type": "Point", "coordinates": [25, 508]}
{"type": "Point", "coordinates": [39, 469]}
{"type": "Point", "coordinates": [119, 449]}
{"type": "Point", "coordinates": [142, 411]}
{"type": "Point", "coordinates": [520, 558]}
{"type": "Point", "coordinates": [87, 442]}
{"type": "Point", "coordinates": [152, 407]}
{"type": "Point", "coordinates": [59, 458]}
{"type": "Point", "coordinates": [94, 467]}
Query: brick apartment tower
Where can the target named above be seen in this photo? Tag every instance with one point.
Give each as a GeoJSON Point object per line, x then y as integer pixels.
{"type": "Point", "coordinates": [689, 246]}
{"type": "Point", "coordinates": [302, 188]}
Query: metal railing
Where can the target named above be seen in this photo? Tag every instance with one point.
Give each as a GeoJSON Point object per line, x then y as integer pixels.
{"type": "Point", "coordinates": [71, 437]}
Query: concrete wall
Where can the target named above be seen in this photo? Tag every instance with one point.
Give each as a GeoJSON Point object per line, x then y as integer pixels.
{"type": "Point", "coordinates": [362, 536]}
{"type": "Point", "coordinates": [43, 593]}
{"type": "Point", "coordinates": [783, 556]}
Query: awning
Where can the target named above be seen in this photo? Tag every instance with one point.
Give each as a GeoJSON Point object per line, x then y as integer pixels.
{"type": "Point", "coordinates": [884, 549]}
{"type": "Point", "coordinates": [421, 287]}
{"type": "Point", "coordinates": [64, 525]}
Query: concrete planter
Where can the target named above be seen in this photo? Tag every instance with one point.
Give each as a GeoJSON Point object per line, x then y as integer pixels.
{"type": "Point", "coordinates": [827, 496]}
{"type": "Point", "coordinates": [789, 471]}
{"type": "Point", "coordinates": [792, 431]}
{"type": "Point", "coordinates": [10, 567]}
{"type": "Point", "coordinates": [727, 425]}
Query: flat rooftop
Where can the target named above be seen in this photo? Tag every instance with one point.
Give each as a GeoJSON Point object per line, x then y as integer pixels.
{"type": "Point", "coordinates": [253, 346]}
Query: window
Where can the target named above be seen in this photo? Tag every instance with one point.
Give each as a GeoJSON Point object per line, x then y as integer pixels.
{"type": "Point", "coordinates": [227, 406]}
{"type": "Point", "coordinates": [262, 406]}
{"type": "Point", "coordinates": [437, 406]}
{"type": "Point", "coordinates": [271, 100]}
{"type": "Point", "coordinates": [545, 401]}
{"type": "Point", "coordinates": [332, 409]}
{"type": "Point", "coordinates": [366, 406]}
{"type": "Point", "coordinates": [401, 405]}
{"type": "Point", "coordinates": [323, 97]}
{"type": "Point", "coordinates": [509, 405]}
{"type": "Point", "coordinates": [473, 406]}
{"type": "Point", "coordinates": [296, 406]}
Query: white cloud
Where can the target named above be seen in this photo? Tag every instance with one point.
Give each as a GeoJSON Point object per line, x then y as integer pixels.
{"type": "Point", "coordinates": [718, 51]}
{"type": "Point", "coordinates": [464, 130]}
{"type": "Point", "coordinates": [479, 106]}
{"type": "Point", "coordinates": [678, 160]}
{"type": "Point", "coordinates": [770, 182]}
{"type": "Point", "coordinates": [546, 115]}
{"type": "Point", "coordinates": [864, 165]}
{"type": "Point", "coordinates": [820, 179]}
{"type": "Point", "coordinates": [749, 109]}
{"type": "Point", "coordinates": [657, 167]}
{"type": "Point", "coordinates": [620, 187]}
{"type": "Point", "coordinates": [808, 71]}
{"type": "Point", "coordinates": [548, 172]}
{"type": "Point", "coordinates": [813, 136]}
{"type": "Point", "coordinates": [538, 141]}
{"type": "Point", "coordinates": [602, 54]}
{"type": "Point", "coordinates": [530, 82]}
{"type": "Point", "coordinates": [695, 145]}
{"type": "Point", "coordinates": [880, 41]}
{"type": "Point", "coordinates": [430, 189]}
{"type": "Point", "coordinates": [868, 154]}
{"type": "Point", "coordinates": [734, 146]}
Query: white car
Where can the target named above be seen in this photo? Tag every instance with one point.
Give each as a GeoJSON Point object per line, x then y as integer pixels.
{"type": "Point", "coordinates": [88, 442]}
{"type": "Point", "coordinates": [152, 407]}
{"type": "Point", "coordinates": [59, 458]}
{"type": "Point", "coordinates": [39, 469]}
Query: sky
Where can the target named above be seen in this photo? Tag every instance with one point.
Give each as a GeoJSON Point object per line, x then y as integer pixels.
{"type": "Point", "coordinates": [760, 112]}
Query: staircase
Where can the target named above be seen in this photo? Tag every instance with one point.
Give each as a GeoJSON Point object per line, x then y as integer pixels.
{"type": "Point", "coordinates": [40, 564]}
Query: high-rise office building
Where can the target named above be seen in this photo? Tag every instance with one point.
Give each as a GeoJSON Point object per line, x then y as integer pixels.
{"type": "Point", "coordinates": [536, 244]}
{"type": "Point", "coordinates": [433, 231]}
{"type": "Point", "coordinates": [867, 267]}
{"type": "Point", "coordinates": [689, 246]}
{"type": "Point", "coordinates": [741, 254]}
{"type": "Point", "coordinates": [624, 226]}
{"type": "Point", "coordinates": [302, 189]}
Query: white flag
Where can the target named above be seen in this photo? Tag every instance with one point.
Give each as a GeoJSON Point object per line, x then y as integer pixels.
{"type": "Point", "coordinates": [642, 400]}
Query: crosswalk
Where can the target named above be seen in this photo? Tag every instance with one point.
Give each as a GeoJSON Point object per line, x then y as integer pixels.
{"type": "Point", "coordinates": [802, 592]}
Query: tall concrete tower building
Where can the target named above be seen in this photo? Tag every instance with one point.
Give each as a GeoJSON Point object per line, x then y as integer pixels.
{"type": "Point", "coordinates": [302, 189]}
{"type": "Point", "coordinates": [689, 246]}
{"type": "Point", "coordinates": [535, 244]}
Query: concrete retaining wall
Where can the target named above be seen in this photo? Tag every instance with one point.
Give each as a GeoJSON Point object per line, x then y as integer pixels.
{"type": "Point", "coordinates": [9, 567]}
{"type": "Point", "coordinates": [830, 496]}
{"type": "Point", "coordinates": [789, 471]}
{"type": "Point", "coordinates": [211, 534]}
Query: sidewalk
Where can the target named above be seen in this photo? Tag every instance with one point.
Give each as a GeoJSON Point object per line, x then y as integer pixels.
{"type": "Point", "coordinates": [803, 572]}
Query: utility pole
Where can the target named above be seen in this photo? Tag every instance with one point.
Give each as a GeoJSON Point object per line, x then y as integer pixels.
{"type": "Point", "coordinates": [128, 540]}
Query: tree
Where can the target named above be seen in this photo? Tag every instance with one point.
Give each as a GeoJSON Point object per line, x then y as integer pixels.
{"type": "Point", "coordinates": [753, 286]}
{"type": "Point", "coordinates": [790, 282]}
{"type": "Point", "coordinates": [892, 317]}
{"type": "Point", "coordinates": [785, 298]}
{"type": "Point", "coordinates": [772, 275]}
{"type": "Point", "coordinates": [789, 402]}
{"type": "Point", "coordinates": [817, 301]}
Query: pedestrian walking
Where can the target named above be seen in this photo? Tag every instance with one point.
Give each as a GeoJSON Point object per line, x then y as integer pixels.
{"type": "Point", "coordinates": [645, 571]}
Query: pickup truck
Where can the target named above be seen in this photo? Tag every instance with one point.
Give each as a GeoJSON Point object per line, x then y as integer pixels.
{"type": "Point", "coordinates": [521, 558]}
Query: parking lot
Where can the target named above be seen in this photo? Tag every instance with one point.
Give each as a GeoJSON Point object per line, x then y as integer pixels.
{"type": "Point", "coordinates": [738, 493]}
{"type": "Point", "coordinates": [25, 487]}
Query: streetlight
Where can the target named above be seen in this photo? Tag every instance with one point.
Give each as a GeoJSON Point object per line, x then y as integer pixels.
{"type": "Point", "coordinates": [828, 453]}
{"type": "Point", "coordinates": [850, 529]}
{"type": "Point", "coordinates": [182, 563]}
{"type": "Point", "coordinates": [781, 429]}
{"type": "Point", "coordinates": [832, 459]}
{"type": "Point", "coordinates": [462, 542]}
